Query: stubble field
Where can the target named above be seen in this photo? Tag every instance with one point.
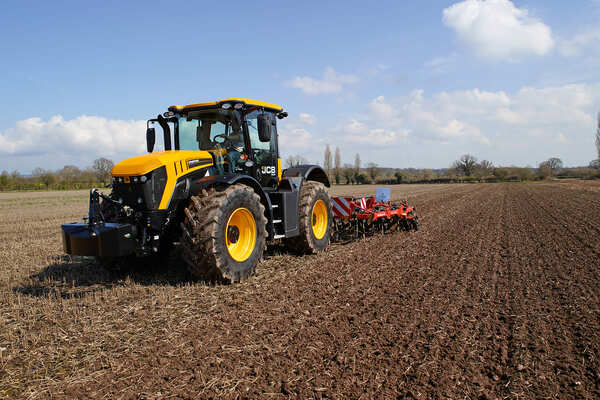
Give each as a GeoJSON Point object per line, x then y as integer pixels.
{"type": "Point", "coordinates": [496, 296]}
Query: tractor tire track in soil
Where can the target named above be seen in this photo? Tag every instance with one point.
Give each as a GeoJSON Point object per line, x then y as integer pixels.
{"type": "Point", "coordinates": [496, 296]}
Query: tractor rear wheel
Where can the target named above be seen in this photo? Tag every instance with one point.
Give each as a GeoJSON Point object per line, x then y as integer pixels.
{"type": "Point", "coordinates": [314, 218]}
{"type": "Point", "coordinates": [224, 233]}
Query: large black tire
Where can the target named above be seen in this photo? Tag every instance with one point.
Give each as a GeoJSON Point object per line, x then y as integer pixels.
{"type": "Point", "coordinates": [307, 243]}
{"type": "Point", "coordinates": [204, 238]}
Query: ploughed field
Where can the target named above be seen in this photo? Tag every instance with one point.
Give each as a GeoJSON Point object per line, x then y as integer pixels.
{"type": "Point", "coordinates": [496, 296]}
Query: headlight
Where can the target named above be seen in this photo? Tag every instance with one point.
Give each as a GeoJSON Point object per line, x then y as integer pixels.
{"type": "Point", "coordinates": [154, 188]}
{"type": "Point", "coordinates": [145, 192]}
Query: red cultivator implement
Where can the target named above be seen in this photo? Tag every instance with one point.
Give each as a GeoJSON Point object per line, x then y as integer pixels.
{"type": "Point", "coordinates": [355, 217]}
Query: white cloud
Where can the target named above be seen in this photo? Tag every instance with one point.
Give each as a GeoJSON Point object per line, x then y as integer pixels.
{"type": "Point", "coordinates": [552, 107]}
{"type": "Point", "coordinates": [360, 133]}
{"type": "Point", "coordinates": [497, 30]}
{"type": "Point", "coordinates": [447, 116]}
{"type": "Point", "coordinates": [378, 69]}
{"type": "Point", "coordinates": [380, 126]}
{"type": "Point", "coordinates": [296, 137]}
{"type": "Point", "coordinates": [383, 110]}
{"type": "Point", "coordinates": [580, 42]}
{"type": "Point", "coordinates": [332, 82]}
{"type": "Point", "coordinates": [438, 61]}
{"type": "Point", "coordinates": [83, 138]}
{"type": "Point", "coordinates": [307, 118]}
{"type": "Point", "coordinates": [536, 121]}
{"type": "Point", "coordinates": [441, 64]}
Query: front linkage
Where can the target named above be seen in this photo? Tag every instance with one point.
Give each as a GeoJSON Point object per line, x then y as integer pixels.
{"type": "Point", "coordinates": [111, 229]}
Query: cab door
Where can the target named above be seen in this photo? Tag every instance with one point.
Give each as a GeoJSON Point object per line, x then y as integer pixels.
{"type": "Point", "coordinates": [263, 154]}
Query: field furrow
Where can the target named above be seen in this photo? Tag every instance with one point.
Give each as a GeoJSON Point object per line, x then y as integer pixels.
{"type": "Point", "coordinates": [496, 296]}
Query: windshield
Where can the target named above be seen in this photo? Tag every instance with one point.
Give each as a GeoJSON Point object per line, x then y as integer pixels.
{"type": "Point", "coordinates": [206, 130]}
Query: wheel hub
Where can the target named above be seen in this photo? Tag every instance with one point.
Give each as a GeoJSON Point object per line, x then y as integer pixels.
{"type": "Point", "coordinates": [319, 219]}
{"type": "Point", "coordinates": [233, 234]}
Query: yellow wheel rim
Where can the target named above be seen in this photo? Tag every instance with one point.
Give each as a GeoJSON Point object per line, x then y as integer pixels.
{"type": "Point", "coordinates": [319, 219]}
{"type": "Point", "coordinates": [240, 234]}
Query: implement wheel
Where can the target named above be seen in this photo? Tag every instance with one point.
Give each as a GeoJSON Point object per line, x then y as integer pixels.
{"type": "Point", "coordinates": [224, 233]}
{"type": "Point", "coordinates": [314, 211]}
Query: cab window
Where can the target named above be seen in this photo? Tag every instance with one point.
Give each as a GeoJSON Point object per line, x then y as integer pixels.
{"type": "Point", "coordinates": [255, 142]}
{"type": "Point", "coordinates": [187, 135]}
{"type": "Point", "coordinates": [199, 134]}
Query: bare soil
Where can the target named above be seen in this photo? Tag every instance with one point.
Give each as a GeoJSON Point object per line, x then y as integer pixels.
{"type": "Point", "coordinates": [496, 296]}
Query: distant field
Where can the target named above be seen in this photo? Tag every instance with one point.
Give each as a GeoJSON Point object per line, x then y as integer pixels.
{"type": "Point", "coordinates": [496, 296]}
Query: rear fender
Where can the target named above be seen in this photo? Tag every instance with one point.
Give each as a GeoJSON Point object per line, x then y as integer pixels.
{"type": "Point", "coordinates": [309, 173]}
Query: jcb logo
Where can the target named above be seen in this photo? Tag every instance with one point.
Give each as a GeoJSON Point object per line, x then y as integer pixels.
{"type": "Point", "coordinates": [270, 170]}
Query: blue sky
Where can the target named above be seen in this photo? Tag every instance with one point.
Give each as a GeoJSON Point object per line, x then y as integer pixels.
{"type": "Point", "coordinates": [405, 84]}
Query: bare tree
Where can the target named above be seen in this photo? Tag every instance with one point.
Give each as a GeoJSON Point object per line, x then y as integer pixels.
{"type": "Point", "coordinates": [550, 167]}
{"type": "Point", "coordinates": [483, 168]}
{"type": "Point", "coordinates": [3, 179]}
{"type": "Point", "coordinates": [69, 174]}
{"type": "Point", "coordinates": [102, 168]}
{"type": "Point", "coordinates": [555, 164]}
{"type": "Point", "coordinates": [544, 170]}
{"type": "Point", "coordinates": [348, 172]}
{"type": "Point", "coordinates": [292, 161]}
{"type": "Point", "coordinates": [37, 172]}
{"type": "Point", "coordinates": [327, 161]}
{"type": "Point", "coordinates": [337, 166]}
{"type": "Point", "coordinates": [289, 161]}
{"type": "Point", "coordinates": [373, 171]}
{"type": "Point", "coordinates": [486, 165]}
{"type": "Point", "coordinates": [356, 167]}
{"type": "Point", "coordinates": [465, 165]}
{"type": "Point", "coordinates": [48, 178]}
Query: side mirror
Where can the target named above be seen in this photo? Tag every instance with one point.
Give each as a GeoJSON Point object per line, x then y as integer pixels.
{"type": "Point", "coordinates": [150, 139]}
{"type": "Point", "coordinates": [264, 128]}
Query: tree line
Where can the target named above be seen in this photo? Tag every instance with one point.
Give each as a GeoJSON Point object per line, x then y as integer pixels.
{"type": "Point", "coordinates": [338, 173]}
{"type": "Point", "coordinates": [465, 169]}
{"type": "Point", "coordinates": [67, 178]}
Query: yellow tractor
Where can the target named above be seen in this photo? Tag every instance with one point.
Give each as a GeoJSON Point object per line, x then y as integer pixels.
{"type": "Point", "coordinates": [217, 189]}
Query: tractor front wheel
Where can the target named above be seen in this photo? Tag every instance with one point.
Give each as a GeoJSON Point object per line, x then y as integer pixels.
{"type": "Point", "coordinates": [224, 233]}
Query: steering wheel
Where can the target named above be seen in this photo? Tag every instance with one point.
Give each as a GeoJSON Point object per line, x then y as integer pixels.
{"type": "Point", "coordinates": [222, 135]}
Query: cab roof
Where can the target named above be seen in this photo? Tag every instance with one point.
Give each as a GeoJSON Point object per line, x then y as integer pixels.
{"type": "Point", "coordinates": [213, 104]}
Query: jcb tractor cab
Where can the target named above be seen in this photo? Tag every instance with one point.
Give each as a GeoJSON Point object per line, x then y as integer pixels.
{"type": "Point", "coordinates": [217, 188]}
